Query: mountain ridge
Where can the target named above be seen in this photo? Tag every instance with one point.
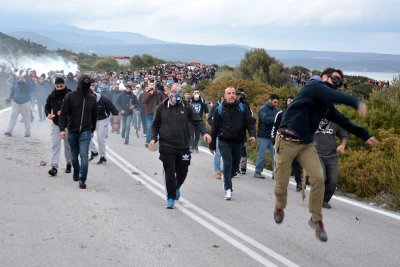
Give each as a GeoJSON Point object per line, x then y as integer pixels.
{"type": "Point", "coordinates": [114, 43]}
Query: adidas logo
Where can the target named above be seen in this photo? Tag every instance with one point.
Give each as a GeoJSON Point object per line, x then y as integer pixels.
{"type": "Point", "coordinates": [185, 157]}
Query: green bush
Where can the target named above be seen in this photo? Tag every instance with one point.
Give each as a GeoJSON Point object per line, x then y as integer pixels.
{"type": "Point", "coordinates": [373, 172]}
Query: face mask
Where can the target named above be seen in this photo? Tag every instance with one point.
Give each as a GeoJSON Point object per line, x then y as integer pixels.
{"type": "Point", "coordinates": [176, 98]}
{"type": "Point", "coordinates": [196, 96]}
{"type": "Point", "coordinates": [337, 82]}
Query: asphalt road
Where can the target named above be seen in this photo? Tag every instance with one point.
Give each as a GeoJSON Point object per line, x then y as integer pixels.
{"type": "Point", "coordinates": [121, 220]}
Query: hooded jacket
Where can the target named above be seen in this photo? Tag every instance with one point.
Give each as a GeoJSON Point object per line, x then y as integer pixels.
{"type": "Point", "coordinates": [79, 110]}
{"type": "Point", "coordinates": [54, 103]}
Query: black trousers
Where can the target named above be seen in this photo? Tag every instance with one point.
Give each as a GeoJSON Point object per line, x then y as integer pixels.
{"type": "Point", "coordinates": [176, 164]}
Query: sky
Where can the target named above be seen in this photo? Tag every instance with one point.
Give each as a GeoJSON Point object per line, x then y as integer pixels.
{"type": "Point", "coordinates": [341, 25]}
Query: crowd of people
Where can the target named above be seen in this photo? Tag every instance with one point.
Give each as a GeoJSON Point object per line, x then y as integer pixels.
{"type": "Point", "coordinates": [153, 102]}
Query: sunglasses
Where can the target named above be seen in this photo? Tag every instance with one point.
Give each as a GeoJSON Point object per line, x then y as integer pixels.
{"type": "Point", "coordinates": [336, 81]}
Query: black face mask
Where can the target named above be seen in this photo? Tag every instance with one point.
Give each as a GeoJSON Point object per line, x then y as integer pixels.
{"type": "Point", "coordinates": [337, 82]}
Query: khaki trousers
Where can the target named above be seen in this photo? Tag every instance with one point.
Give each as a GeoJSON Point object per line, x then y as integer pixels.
{"type": "Point", "coordinates": [307, 156]}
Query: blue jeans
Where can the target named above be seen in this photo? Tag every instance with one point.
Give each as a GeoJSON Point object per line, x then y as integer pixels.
{"type": "Point", "coordinates": [149, 122]}
{"type": "Point", "coordinates": [230, 153]}
{"type": "Point", "coordinates": [262, 145]}
{"type": "Point", "coordinates": [79, 144]}
{"type": "Point", "coordinates": [126, 121]}
{"type": "Point", "coordinates": [217, 158]}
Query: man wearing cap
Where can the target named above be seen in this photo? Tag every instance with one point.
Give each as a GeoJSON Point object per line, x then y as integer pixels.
{"type": "Point", "coordinates": [52, 110]}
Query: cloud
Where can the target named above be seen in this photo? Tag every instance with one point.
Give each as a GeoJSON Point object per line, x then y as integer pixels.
{"type": "Point", "coordinates": [224, 21]}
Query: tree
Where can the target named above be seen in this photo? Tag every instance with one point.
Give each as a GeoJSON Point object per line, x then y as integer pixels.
{"type": "Point", "coordinates": [257, 65]}
{"type": "Point", "coordinates": [144, 61]}
{"type": "Point", "coordinates": [105, 64]}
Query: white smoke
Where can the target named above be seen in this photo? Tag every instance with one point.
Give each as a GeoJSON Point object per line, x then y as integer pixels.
{"type": "Point", "coordinates": [42, 64]}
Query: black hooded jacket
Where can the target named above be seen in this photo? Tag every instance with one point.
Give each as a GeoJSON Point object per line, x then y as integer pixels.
{"type": "Point", "coordinates": [54, 103]}
{"type": "Point", "coordinates": [79, 110]}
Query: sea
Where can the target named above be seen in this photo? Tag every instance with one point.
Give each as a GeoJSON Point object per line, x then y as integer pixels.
{"type": "Point", "coordinates": [379, 76]}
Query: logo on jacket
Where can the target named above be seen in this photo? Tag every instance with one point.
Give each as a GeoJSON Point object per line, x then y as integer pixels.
{"type": "Point", "coordinates": [186, 157]}
{"type": "Point", "coordinates": [324, 127]}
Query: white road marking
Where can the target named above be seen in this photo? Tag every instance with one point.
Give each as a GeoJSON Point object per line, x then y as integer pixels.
{"type": "Point", "coordinates": [339, 198]}
{"type": "Point", "coordinates": [4, 110]}
{"type": "Point", "coordinates": [158, 189]}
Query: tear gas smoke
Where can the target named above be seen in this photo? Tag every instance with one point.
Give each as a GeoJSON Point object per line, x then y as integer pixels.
{"type": "Point", "coordinates": [42, 64]}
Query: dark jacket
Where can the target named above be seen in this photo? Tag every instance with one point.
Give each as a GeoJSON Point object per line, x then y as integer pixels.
{"type": "Point", "coordinates": [199, 106]}
{"type": "Point", "coordinates": [54, 103]}
{"type": "Point", "coordinates": [232, 124]}
{"type": "Point", "coordinates": [126, 102]}
{"type": "Point", "coordinates": [171, 124]}
{"type": "Point", "coordinates": [315, 101]}
{"type": "Point", "coordinates": [151, 101]}
{"type": "Point", "coordinates": [105, 107]}
{"type": "Point", "coordinates": [78, 113]}
{"type": "Point", "coordinates": [266, 117]}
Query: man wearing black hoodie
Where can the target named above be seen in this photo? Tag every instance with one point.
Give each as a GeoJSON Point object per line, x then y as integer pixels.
{"type": "Point", "coordinates": [52, 110]}
{"type": "Point", "coordinates": [79, 115]}
{"type": "Point", "coordinates": [171, 128]}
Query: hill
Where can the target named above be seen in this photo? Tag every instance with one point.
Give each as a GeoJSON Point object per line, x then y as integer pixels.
{"type": "Point", "coordinates": [104, 43]}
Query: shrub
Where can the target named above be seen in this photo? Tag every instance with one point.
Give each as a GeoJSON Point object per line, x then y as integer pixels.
{"type": "Point", "coordinates": [372, 172]}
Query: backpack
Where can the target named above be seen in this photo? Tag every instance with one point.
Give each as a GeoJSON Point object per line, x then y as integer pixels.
{"type": "Point", "coordinates": [219, 108]}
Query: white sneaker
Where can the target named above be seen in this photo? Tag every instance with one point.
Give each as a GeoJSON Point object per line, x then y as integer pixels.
{"type": "Point", "coordinates": [228, 194]}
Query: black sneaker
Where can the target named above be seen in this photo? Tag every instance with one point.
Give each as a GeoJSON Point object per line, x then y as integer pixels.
{"type": "Point", "coordinates": [319, 230]}
{"type": "Point", "coordinates": [102, 161]}
{"type": "Point", "coordinates": [93, 155]}
{"type": "Point", "coordinates": [8, 134]}
{"type": "Point", "coordinates": [243, 171]}
{"type": "Point", "coordinates": [326, 205]}
{"type": "Point", "coordinates": [258, 175]}
{"type": "Point", "coordinates": [279, 214]}
{"type": "Point", "coordinates": [68, 168]}
{"type": "Point", "coordinates": [82, 184]}
{"type": "Point", "coordinates": [298, 187]}
{"type": "Point", "coordinates": [75, 176]}
{"type": "Point", "coordinates": [53, 171]}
